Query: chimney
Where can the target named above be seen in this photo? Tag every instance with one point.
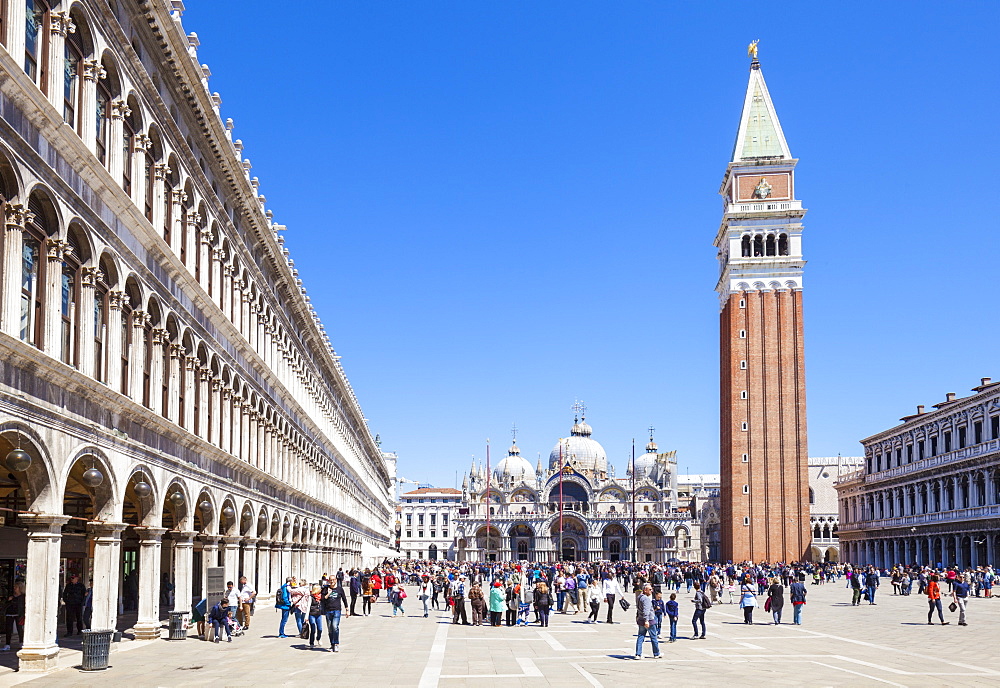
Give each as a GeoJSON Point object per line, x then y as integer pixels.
{"type": "Point", "coordinates": [920, 409]}
{"type": "Point", "coordinates": [985, 381]}
{"type": "Point", "coordinates": [950, 396]}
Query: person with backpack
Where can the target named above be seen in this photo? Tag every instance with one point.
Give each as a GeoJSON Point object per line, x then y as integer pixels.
{"type": "Point", "coordinates": [395, 597]}
{"type": "Point", "coordinates": [797, 591]}
{"type": "Point", "coordinates": [367, 593]}
{"type": "Point", "coordinates": [283, 601]}
{"type": "Point", "coordinates": [701, 605]}
{"type": "Point", "coordinates": [542, 601]}
{"type": "Point", "coordinates": [333, 607]}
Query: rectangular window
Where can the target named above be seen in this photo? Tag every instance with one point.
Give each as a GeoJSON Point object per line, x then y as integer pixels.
{"type": "Point", "coordinates": [746, 458]}
{"type": "Point", "coordinates": [743, 334]}
{"type": "Point", "coordinates": [743, 303]}
{"type": "Point", "coordinates": [746, 489]}
{"type": "Point", "coordinates": [432, 534]}
{"type": "Point", "coordinates": [743, 365]}
{"type": "Point", "coordinates": [409, 519]}
{"type": "Point", "coordinates": [878, 463]}
{"type": "Point", "coordinates": [31, 297]}
{"type": "Point", "coordinates": [420, 519]}
{"type": "Point", "coordinates": [420, 533]}
{"type": "Point", "coordinates": [977, 431]}
{"type": "Point", "coordinates": [934, 446]}
{"type": "Point", "coordinates": [409, 533]}
{"type": "Point", "coordinates": [444, 533]}
{"type": "Point", "coordinates": [743, 427]}
{"type": "Point", "coordinates": [899, 457]}
{"type": "Point", "coordinates": [746, 520]}
{"type": "Point", "coordinates": [433, 519]}
{"type": "Point", "coordinates": [995, 426]}
{"type": "Point", "coordinates": [920, 450]}
{"type": "Point", "coordinates": [947, 441]}
{"type": "Point", "coordinates": [444, 519]}
{"type": "Point", "coordinates": [909, 453]}
{"type": "Point", "coordinates": [743, 394]}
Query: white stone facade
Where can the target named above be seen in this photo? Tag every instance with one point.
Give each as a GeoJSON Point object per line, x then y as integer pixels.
{"type": "Point", "coordinates": [427, 522]}
{"type": "Point", "coordinates": [153, 327]}
{"type": "Point", "coordinates": [824, 521]}
{"type": "Point", "coordinates": [929, 489]}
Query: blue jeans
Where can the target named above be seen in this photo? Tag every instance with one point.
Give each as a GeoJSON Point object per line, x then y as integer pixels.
{"type": "Point", "coordinates": [699, 615]}
{"type": "Point", "coordinates": [315, 629]}
{"type": "Point", "coordinates": [560, 599]}
{"type": "Point", "coordinates": [797, 618]}
{"type": "Point", "coordinates": [218, 625]}
{"type": "Point", "coordinates": [673, 628]}
{"type": "Point", "coordinates": [284, 620]}
{"type": "Point", "coordinates": [333, 623]}
{"type": "Point", "coordinates": [643, 632]}
{"type": "Point", "coordinates": [300, 618]}
{"type": "Point", "coordinates": [400, 608]}
{"type": "Point", "coordinates": [871, 594]}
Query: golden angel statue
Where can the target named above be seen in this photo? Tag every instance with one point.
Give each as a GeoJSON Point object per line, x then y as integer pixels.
{"type": "Point", "coordinates": [752, 49]}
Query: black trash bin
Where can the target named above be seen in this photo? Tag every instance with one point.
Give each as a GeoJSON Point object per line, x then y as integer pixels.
{"type": "Point", "coordinates": [96, 649]}
{"type": "Point", "coordinates": [178, 627]}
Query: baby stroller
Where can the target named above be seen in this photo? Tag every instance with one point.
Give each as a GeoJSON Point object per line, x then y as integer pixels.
{"type": "Point", "coordinates": [235, 627]}
{"type": "Point", "coordinates": [523, 611]}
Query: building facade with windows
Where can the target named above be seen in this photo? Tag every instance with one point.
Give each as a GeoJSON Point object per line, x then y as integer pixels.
{"type": "Point", "coordinates": [929, 489]}
{"type": "Point", "coordinates": [824, 517]}
{"type": "Point", "coordinates": [427, 522]}
{"type": "Point", "coordinates": [169, 401]}
{"type": "Point", "coordinates": [576, 509]}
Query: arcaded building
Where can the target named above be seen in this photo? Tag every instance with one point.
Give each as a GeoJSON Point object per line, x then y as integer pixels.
{"type": "Point", "coordinates": [763, 447]}
{"type": "Point", "coordinates": [169, 401]}
{"type": "Point", "coordinates": [929, 489]}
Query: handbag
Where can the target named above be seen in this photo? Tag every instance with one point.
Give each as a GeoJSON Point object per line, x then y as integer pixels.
{"type": "Point", "coordinates": [304, 633]}
{"type": "Point", "coordinates": [767, 604]}
{"type": "Point", "coordinates": [625, 605]}
{"type": "Point", "coordinates": [952, 607]}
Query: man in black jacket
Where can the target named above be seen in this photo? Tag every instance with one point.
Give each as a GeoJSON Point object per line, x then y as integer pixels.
{"type": "Point", "coordinates": [73, 596]}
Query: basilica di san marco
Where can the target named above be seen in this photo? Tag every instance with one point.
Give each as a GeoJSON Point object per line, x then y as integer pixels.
{"type": "Point", "coordinates": [576, 509]}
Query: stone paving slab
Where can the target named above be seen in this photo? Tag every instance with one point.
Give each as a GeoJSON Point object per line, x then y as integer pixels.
{"type": "Point", "coordinates": [838, 645]}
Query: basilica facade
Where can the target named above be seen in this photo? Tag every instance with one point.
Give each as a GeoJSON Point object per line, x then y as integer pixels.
{"type": "Point", "coordinates": [576, 508]}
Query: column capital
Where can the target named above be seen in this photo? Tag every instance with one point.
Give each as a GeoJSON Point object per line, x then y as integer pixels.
{"type": "Point", "coordinates": [211, 541]}
{"type": "Point", "coordinates": [90, 276]}
{"type": "Point", "coordinates": [120, 109]}
{"type": "Point", "coordinates": [61, 24]}
{"type": "Point", "coordinates": [178, 196]}
{"type": "Point", "coordinates": [140, 318]}
{"type": "Point", "coordinates": [43, 524]}
{"type": "Point", "coordinates": [141, 143]}
{"type": "Point", "coordinates": [57, 249]}
{"type": "Point", "coordinates": [104, 531]}
{"type": "Point", "coordinates": [206, 235]}
{"type": "Point", "coordinates": [230, 540]}
{"type": "Point", "coordinates": [161, 171]}
{"type": "Point", "coordinates": [93, 70]}
{"type": "Point", "coordinates": [250, 541]}
{"type": "Point", "coordinates": [183, 538]}
{"type": "Point", "coordinates": [17, 216]}
{"type": "Point", "coordinates": [149, 535]}
{"type": "Point", "coordinates": [177, 351]}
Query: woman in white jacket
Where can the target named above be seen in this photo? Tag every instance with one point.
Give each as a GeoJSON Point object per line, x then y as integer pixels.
{"type": "Point", "coordinates": [594, 597]}
{"type": "Point", "coordinates": [610, 587]}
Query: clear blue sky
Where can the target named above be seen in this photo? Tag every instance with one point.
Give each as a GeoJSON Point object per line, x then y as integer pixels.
{"type": "Point", "coordinates": [498, 208]}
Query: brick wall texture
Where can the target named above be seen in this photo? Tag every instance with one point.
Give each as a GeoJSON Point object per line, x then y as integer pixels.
{"type": "Point", "coordinates": [771, 487]}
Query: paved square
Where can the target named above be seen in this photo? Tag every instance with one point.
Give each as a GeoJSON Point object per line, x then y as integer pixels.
{"type": "Point", "coordinates": [838, 645]}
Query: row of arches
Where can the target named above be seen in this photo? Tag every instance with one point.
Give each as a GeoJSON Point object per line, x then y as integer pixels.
{"type": "Point", "coordinates": [70, 295]}
{"type": "Point", "coordinates": [929, 496]}
{"type": "Point", "coordinates": [764, 244]}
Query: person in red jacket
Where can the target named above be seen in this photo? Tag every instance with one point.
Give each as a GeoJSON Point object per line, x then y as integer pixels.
{"type": "Point", "coordinates": [934, 601]}
{"type": "Point", "coordinates": [376, 586]}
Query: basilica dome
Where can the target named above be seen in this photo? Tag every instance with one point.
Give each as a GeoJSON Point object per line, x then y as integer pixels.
{"type": "Point", "coordinates": [646, 466]}
{"type": "Point", "coordinates": [579, 450]}
{"type": "Point", "coordinates": [514, 466]}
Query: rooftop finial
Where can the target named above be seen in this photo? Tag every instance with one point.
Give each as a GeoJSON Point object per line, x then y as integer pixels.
{"type": "Point", "coordinates": [579, 409]}
{"type": "Point", "coordinates": [513, 432]}
{"type": "Point", "coordinates": [752, 50]}
{"type": "Point", "coordinates": [651, 429]}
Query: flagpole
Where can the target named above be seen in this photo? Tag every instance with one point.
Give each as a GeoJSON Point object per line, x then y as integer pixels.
{"type": "Point", "coordinates": [559, 556]}
{"type": "Point", "coordinates": [635, 539]}
{"type": "Point", "coordinates": [487, 499]}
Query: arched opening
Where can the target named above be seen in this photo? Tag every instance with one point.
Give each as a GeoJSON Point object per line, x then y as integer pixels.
{"type": "Point", "coordinates": [769, 247]}
{"type": "Point", "coordinates": [758, 246]}
{"type": "Point", "coordinates": [745, 246]}
{"type": "Point", "coordinates": [432, 552]}
{"type": "Point", "coordinates": [648, 543]}
{"type": "Point", "coordinates": [614, 541]}
{"type": "Point", "coordinates": [782, 244]}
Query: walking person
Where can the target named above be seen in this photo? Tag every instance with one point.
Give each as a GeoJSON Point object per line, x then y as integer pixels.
{"type": "Point", "coordinates": [300, 604]}
{"type": "Point", "coordinates": [367, 594]}
{"type": "Point", "coordinates": [543, 602]}
{"type": "Point", "coordinates": [73, 596]}
{"type": "Point", "coordinates": [747, 601]}
{"type": "Point", "coordinates": [333, 608]}
{"type": "Point", "coordinates": [672, 610]}
{"type": "Point", "coordinates": [395, 597]}
{"type": "Point", "coordinates": [645, 618]}
{"type": "Point", "coordinates": [611, 587]}
{"type": "Point", "coordinates": [701, 605]}
{"type": "Point", "coordinates": [425, 594]}
{"type": "Point", "coordinates": [934, 601]}
{"type": "Point", "coordinates": [594, 599]}
{"type": "Point", "coordinates": [960, 595]}
{"type": "Point", "coordinates": [283, 602]}
{"type": "Point", "coordinates": [247, 597]}
{"type": "Point", "coordinates": [355, 586]}
{"type": "Point", "coordinates": [871, 584]}
{"type": "Point", "coordinates": [798, 591]}
{"type": "Point", "coordinates": [315, 598]}
{"type": "Point", "coordinates": [497, 603]}
{"type": "Point", "coordinates": [855, 582]}
{"type": "Point", "coordinates": [776, 599]}
{"type": "Point", "coordinates": [14, 616]}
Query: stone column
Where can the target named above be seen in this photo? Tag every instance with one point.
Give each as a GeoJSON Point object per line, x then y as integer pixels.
{"type": "Point", "coordinates": [264, 585]}
{"type": "Point", "coordinates": [231, 557]}
{"type": "Point", "coordinates": [40, 651]}
{"type": "Point", "coordinates": [191, 239]}
{"type": "Point", "coordinates": [217, 255]}
{"type": "Point", "coordinates": [191, 399]}
{"type": "Point", "coordinates": [116, 133]}
{"type": "Point", "coordinates": [93, 71]}
{"type": "Point", "coordinates": [160, 173]}
{"type": "Point", "coordinates": [14, 33]}
{"type": "Point", "coordinates": [209, 558]}
{"type": "Point", "coordinates": [113, 340]}
{"type": "Point", "coordinates": [107, 544]}
{"type": "Point", "coordinates": [204, 403]}
{"type": "Point", "coordinates": [59, 26]}
{"type": "Point", "coordinates": [216, 429]}
{"type": "Point", "coordinates": [278, 569]}
{"type": "Point", "coordinates": [147, 626]}
{"type": "Point", "coordinates": [137, 358]}
{"type": "Point", "coordinates": [205, 238]}
{"type": "Point", "coordinates": [183, 569]}
{"type": "Point", "coordinates": [140, 145]}
{"type": "Point", "coordinates": [15, 217]}
{"type": "Point", "coordinates": [55, 250]}
{"type": "Point", "coordinates": [250, 561]}
{"type": "Point", "coordinates": [226, 428]}
{"type": "Point", "coordinates": [174, 382]}
{"type": "Point", "coordinates": [178, 198]}
{"type": "Point", "coordinates": [160, 342]}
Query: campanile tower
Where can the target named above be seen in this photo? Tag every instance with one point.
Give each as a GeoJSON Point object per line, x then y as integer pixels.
{"type": "Point", "coordinates": [763, 456]}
